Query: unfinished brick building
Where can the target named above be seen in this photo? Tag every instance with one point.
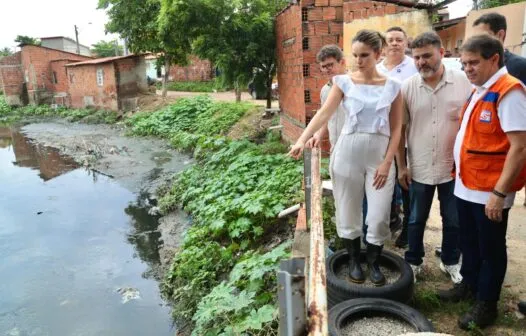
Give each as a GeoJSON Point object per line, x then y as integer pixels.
{"type": "Point", "coordinates": [305, 26]}
{"type": "Point", "coordinates": [39, 75]}
{"type": "Point", "coordinates": [32, 74]}
{"type": "Point", "coordinates": [111, 83]}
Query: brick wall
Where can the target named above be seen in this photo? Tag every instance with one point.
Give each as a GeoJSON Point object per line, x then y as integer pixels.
{"type": "Point", "coordinates": [302, 29]}
{"type": "Point", "coordinates": [196, 71]}
{"type": "Point", "coordinates": [58, 72]}
{"type": "Point", "coordinates": [12, 79]}
{"type": "Point", "coordinates": [36, 64]}
{"type": "Point", "coordinates": [83, 88]}
{"type": "Point", "coordinates": [290, 76]}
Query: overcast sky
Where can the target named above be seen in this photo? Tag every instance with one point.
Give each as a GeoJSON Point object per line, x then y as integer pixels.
{"type": "Point", "coordinates": [44, 18]}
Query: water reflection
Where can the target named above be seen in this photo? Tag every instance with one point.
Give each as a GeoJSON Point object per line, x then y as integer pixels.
{"type": "Point", "coordinates": [144, 236]}
{"type": "Point", "coordinates": [65, 264]}
{"type": "Point", "coordinates": [47, 160]}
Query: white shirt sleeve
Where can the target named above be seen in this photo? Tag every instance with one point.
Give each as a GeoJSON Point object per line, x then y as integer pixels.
{"type": "Point", "coordinates": [512, 111]}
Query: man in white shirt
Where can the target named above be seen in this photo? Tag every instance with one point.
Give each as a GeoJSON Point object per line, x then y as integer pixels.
{"type": "Point", "coordinates": [331, 61]}
{"type": "Point", "coordinates": [490, 161]}
{"type": "Point", "coordinates": [398, 65]}
{"type": "Point", "coordinates": [432, 102]}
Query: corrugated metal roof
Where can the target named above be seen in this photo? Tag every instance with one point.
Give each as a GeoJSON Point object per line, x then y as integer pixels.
{"type": "Point", "coordinates": [102, 60]}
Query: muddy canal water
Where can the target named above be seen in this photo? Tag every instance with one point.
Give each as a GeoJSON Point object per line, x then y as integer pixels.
{"type": "Point", "coordinates": [76, 249]}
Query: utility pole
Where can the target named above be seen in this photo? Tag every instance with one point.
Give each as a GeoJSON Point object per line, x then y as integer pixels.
{"type": "Point", "coordinates": [77, 38]}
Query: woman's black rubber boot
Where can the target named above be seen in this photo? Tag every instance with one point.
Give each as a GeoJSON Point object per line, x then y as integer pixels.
{"type": "Point", "coordinates": [355, 269]}
{"type": "Point", "coordinates": [373, 253]}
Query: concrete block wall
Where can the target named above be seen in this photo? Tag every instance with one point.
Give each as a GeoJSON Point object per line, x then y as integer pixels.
{"type": "Point", "coordinates": [12, 79]}
{"type": "Point", "coordinates": [197, 70]}
{"type": "Point", "coordinates": [83, 88]}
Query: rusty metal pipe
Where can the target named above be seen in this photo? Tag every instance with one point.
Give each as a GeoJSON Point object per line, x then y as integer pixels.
{"type": "Point", "coordinates": [317, 299]}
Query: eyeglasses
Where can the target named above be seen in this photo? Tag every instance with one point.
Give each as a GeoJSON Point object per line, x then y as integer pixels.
{"type": "Point", "coordinates": [327, 66]}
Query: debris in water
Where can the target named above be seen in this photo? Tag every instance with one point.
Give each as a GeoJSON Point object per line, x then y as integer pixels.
{"type": "Point", "coordinates": [128, 294]}
{"type": "Point", "coordinates": [154, 211]}
{"type": "Point", "coordinates": [40, 212]}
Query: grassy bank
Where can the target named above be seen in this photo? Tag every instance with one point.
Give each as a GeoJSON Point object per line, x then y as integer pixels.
{"type": "Point", "coordinates": [223, 279]}
{"type": "Point", "coordinates": [9, 115]}
{"type": "Point", "coordinates": [206, 87]}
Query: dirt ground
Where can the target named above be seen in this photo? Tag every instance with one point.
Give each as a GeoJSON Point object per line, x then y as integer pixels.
{"type": "Point", "coordinates": [514, 285]}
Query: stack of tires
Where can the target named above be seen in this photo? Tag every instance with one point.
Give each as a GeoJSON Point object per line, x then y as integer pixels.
{"type": "Point", "coordinates": [348, 301]}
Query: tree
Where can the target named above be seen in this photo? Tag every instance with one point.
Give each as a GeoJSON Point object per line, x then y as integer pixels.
{"type": "Point", "coordinates": [136, 22]}
{"type": "Point", "coordinates": [24, 40]}
{"type": "Point", "coordinates": [484, 4]}
{"type": "Point", "coordinates": [5, 52]}
{"type": "Point", "coordinates": [237, 36]}
{"type": "Point", "coordinates": [107, 49]}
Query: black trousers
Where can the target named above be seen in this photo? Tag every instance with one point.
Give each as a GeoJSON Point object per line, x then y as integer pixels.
{"type": "Point", "coordinates": [483, 247]}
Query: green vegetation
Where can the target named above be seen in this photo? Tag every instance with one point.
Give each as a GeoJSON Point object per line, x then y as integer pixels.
{"type": "Point", "coordinates": [198, 116]}
{"type": "Point", "coordinates": [10, 114]}
{"type": "Point", "coordinates": [107, 48]}
{"type": "Point", "coordinates": [223, 279]}
{"type": "Point", "coordinates": [484, 4]}
{"type": "Point", "coordinates": [210, 86]}
{"type": "Point", "coordinates": [5, 52]}
{"type": "Point", "coordinates": [23, 40]}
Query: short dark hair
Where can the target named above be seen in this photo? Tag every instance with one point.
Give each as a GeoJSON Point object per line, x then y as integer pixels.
{"type": "Point", "coordinates": [328, 51]}
{"type": "Point", "coordinates": [396, 28]}
{"type": "Point", "coordinates": [371, 38]}
{"type": "Point", "coordinates": [425, 39]}
{"type": "Point", "coordinates": [485, 45]}
{"type": "Point", "coordinates": [495, 21]}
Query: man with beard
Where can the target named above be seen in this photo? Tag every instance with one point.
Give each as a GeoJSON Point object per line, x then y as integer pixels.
{"type": "Point", "coordinates": [433, 100]}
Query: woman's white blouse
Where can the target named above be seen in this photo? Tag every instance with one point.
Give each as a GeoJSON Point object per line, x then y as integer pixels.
{"type": "Point", "coordinates": [367, 106]}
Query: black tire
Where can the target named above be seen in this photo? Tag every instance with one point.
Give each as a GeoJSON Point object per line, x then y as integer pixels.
{"type": "Point", "coordinates": [339, 290]}
{"type": "Point", "coordinates": [348, 310]}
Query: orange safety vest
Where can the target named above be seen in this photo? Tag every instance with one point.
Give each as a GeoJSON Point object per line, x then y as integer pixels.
{"type": "Point", "coordinates": [485, 145]}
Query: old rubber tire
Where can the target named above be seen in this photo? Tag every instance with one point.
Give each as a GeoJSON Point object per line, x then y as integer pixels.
{"type": "Point", "coordinates": [339, 290]}
{"type": "Point", "coordinates": [348, 310]}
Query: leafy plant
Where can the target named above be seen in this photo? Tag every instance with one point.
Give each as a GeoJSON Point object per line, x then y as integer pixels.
{"type": "Point", "coordinates": [209, 86]}
{"type": "Point", "coordinates": [198, 115]}
{"type": "Point", "coordinates": [10, 114]}
{"type": "Point", "coordinates": [243, 304]}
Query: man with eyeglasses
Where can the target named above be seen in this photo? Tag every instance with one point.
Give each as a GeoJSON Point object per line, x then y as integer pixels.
{"type": "Point", "coordinates": [332, 63]}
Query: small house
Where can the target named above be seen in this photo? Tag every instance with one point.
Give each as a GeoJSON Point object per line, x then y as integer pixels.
{"type": "Point", "coordinates": [111, 83]}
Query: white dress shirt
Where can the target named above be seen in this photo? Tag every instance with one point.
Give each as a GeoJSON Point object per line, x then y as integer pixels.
{"type": "Point", "coordinates": [512, 117]}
